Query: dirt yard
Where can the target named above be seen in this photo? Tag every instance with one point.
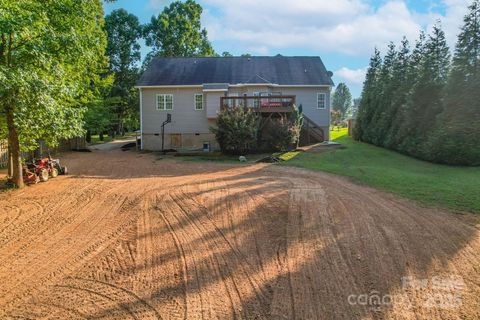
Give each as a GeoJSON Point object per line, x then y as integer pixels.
{"type": "Point", "coordinates": [127, 236]}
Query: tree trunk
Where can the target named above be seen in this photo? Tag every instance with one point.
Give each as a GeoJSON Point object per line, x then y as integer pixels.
{"type": "Point", "coordinates": [10, 162]}
{"type": "Point", "coordinates": [14, 145]}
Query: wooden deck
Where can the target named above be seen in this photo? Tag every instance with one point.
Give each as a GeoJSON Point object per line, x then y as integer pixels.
{"type": "Point", "coordinates": [261, 104]}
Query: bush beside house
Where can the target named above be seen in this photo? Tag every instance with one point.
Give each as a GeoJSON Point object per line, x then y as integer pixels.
{"type": "Point", "coordinates": [237, 130]}
{"type": "Point", "coordinates": [240, 131]}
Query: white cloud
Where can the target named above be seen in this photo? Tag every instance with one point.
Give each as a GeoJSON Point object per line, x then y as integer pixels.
{"type": "Point", "coordinates": [351, 76]}
{"type": "Point", "coordinates": [345, 26]}
{"type": "Point", "coordinates": [453, 19]}
{"type": "Point", "coordinates": [351, 27]}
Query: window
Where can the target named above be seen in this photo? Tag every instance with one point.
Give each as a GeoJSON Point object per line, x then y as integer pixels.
{"type": "Point", "coordinates": [199, 101]}
{"type": "Point", "coordinates": [164, 101]}
{"type": "Point", "coordinates": [256, 103]}
{"type": "Point", "coordinates": [321, 101]}
{"type": "Point", "coordinates": [232, 103]}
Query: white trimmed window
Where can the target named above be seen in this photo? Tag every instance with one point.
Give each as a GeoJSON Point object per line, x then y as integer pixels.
{"type": "Point", "coordinates": [232, 103]}
{"type": "Point", "coordinates": [164, 101]}
{"type": "Point", "coordinates": [198, 98]}
{"type": "Point", "coordinates": [321, 101]}
{"type": "Point", "coordinates": [256, 103]}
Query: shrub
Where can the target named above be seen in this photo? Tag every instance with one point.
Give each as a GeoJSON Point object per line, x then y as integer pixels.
{"type": "Point", "coordinates": [237, 130]}
{"type": "Point", "coordinates": [282, 133]}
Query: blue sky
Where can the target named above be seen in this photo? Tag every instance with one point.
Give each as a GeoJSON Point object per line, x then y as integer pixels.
{"type": "Point", "coordinates": [342, 32]}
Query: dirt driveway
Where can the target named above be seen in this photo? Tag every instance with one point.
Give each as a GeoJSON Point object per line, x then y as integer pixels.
{"type": "Point", "coordinates": [127, 236]}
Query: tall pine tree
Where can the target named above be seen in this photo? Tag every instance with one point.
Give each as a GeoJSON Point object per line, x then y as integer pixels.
{"type": "Point", "coordinates": [388, 83]}
{"type": "Point", "coordinates": [456, 139]}
{"type": "Point", "coordinates": [427, 96]}
{"type": "Point", "coordinates": [368, 103]}
{"type": "Point", "coordinates": [394, 115]}
{"type": "Point", "coordinates": [400, 130]}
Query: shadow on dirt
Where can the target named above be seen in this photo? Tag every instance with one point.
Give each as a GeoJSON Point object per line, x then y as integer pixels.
{"type": "Point", "coordinates": [267, 242]}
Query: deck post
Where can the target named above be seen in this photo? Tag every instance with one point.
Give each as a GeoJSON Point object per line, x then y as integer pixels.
{"type": "Point", "coordinates": [308, 132]}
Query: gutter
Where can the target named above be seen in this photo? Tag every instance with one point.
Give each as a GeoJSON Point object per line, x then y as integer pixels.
{"type": "Point", "coordinates": [141, 118]}
{"type": "Point", "coordinates": [242, 85]}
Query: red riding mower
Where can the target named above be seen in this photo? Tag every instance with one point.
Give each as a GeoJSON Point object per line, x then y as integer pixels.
{"type": "Point", "coordinates": [43, 169]}
{"type": "Point", "coordinates": [30, 177]}
{"type": "Point", "coordinates": [55, 163]}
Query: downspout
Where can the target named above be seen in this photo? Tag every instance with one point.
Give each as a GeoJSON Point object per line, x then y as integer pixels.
{"type": "Point", "coordinates": [141, 118]}
{"type": "Point", "coordinates": [329, 111]}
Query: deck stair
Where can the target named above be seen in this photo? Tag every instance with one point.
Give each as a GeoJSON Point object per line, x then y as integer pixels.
{"type": "Point", "coordinates": [311, 132]}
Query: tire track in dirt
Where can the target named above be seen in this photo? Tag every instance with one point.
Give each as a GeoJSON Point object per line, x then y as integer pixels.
{"type": "Point", "coordinates": [178, 240]}
{"type": "Point", "coordinates": [39, 266]}
{"type": "Point", "coordinates": [200, 229]}
{"type": "Point", "coordinates": [156, 262]}
{"type": "Point", "coordinates": [259, 305]}
{"type": "Point", "coordinates": [9, 214]}
{"type": "Point", "coordinates": [377, 250]}
{"type": "Point", "coordinates": [200, 270]}
{"type": "Point", "coordinates": [44, 217]}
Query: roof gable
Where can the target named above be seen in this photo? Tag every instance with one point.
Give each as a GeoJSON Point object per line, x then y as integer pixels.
{"type": "Point", "coordinates": [235, 70]}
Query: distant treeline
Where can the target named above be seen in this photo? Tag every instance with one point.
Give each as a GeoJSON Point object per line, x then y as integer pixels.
{"type": "Point", "coordinates": [421, 102]}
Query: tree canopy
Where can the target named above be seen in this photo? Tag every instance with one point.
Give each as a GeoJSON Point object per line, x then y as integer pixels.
{"type": "Point", "coordinates": [123, 50]}
{"type": "Point", "coordinates": [342, 99]}
{"type": "Point", "coordinates": [456, 135]}
{"type": "Point", "coordinates": [421, 103]}
{"type": "Point", "coordinates": [177, 31]}
{"type": "Point", "coordinates": [51, 54]}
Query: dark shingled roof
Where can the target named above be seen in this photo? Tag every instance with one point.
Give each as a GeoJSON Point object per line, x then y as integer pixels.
{"type": "Point", "coordinates": [215, 86]}
{"type": "Point", "coordinates": [234, 70]}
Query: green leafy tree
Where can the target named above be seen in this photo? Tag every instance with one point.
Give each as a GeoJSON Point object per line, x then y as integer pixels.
{"type": "Point", "coordinates": [177, 31]}
{"type": "Point", "coordinates": [226, 54]}
{"type": "Point", "coordinates": [342, 99]}
{"type": "Point", "coordinates": [51, 53]}
{"type": "Point", "coordinates": [123, 49]}
{"type": "Point", "coordinates": [100, 115]}
{"type": "Point", "coordinates": [456, 138]}
{"type": "Point", "coordinates": [368, 101]}
{"type": "Point", "coordinates": [335, 117]}
{"type": "Point", "coordinates": [353, 110]}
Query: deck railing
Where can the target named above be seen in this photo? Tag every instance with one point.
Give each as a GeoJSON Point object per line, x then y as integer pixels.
{"type": "Point", "coordinates": [260, 103]}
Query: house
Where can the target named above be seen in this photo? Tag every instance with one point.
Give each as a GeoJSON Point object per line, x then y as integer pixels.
{"type": "Point", "coordinates": [193, 91]}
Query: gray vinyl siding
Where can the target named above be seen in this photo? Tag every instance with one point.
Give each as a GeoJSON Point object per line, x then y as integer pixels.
{"type": "Point", "coordinates": [213, 102]}
{"type": "Point", "coordinates": [307, 97]}
{"type": "Point", "coordinates": [185, 119]}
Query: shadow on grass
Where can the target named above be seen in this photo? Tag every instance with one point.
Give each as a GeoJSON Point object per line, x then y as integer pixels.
{"type": "Point", "coordinates": [428, 183]}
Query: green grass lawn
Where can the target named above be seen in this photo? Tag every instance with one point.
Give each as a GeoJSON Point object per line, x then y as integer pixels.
{"type": "Point", "coordinates": [456, 188]}
{"type": "Point", "coordinates": [220, 158]}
